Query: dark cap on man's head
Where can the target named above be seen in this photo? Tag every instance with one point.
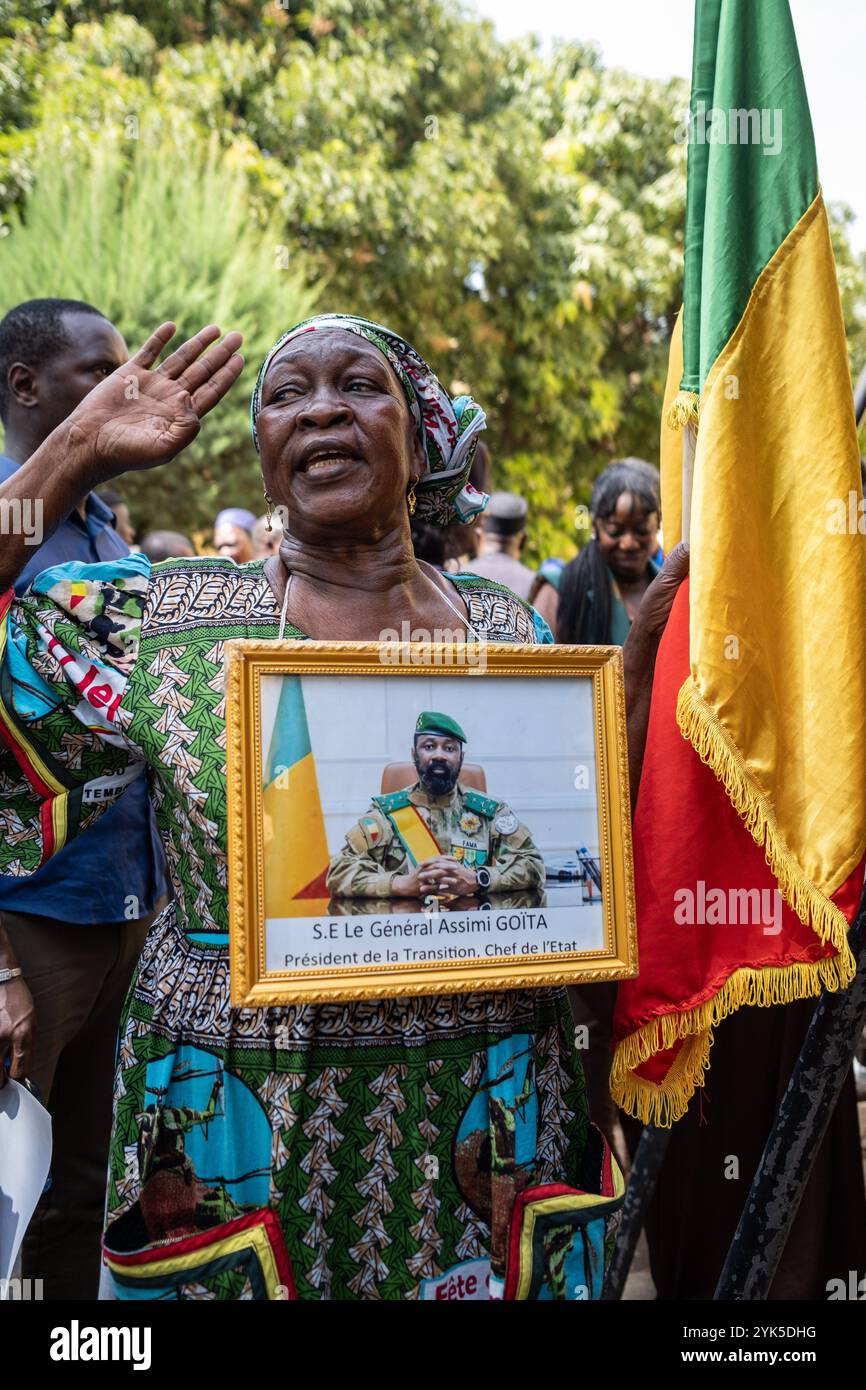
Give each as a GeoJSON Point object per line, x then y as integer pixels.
{"type": "Point", "coordinates": [506, 513]}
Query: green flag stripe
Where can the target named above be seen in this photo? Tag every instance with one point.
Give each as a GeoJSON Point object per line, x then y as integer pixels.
{"type": "Point", "coordinates": [743, 199]}
{"type": "Point", "coordinates": [290, 737]}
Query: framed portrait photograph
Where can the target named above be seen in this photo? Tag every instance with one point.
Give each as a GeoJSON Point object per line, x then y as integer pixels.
{"type": "Point", "coordinates": [401, 823]}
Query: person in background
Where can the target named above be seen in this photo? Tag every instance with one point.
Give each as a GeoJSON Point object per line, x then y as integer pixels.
{"type": "Point", "coordinates": [600, 589]}
{"type": "Point", "coordinates": [122, 522]}
{"type": "Point", "coordinates": [267, 534]}
{"type": "Point", "coordinates": [503, 536]}
{"type": "Point", "coordinates": [233, 534]}
{"type": "Point", "coordinates": [167, 545]}
{"type": "Point", "coordinates": [544, 592]}
{"type": "Point", "coordinates": [655, 478]}
{"type": "Point", "coordinates": [599, 593]}
{"type": "Point", "coordinates": [428, 543]}
{"type": "Point", "coordinates": [463, 538]}
{"type": "Point", "coordinates": [75, 928]}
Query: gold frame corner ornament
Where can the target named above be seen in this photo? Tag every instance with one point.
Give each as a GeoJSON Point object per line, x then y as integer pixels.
{"type": "Point", "coordinates": [252, 986]}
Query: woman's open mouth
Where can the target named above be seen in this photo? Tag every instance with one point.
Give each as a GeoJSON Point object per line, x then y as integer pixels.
{"type": "Point", "coordinates": [327, 463]}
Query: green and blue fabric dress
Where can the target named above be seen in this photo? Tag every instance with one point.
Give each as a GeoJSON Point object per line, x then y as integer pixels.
{"type": "Point", "coordinates": [431, 1148]}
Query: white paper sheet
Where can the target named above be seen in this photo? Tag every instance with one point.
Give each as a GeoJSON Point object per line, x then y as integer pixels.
{"type": "Point", "coordinates": [25, 1160]}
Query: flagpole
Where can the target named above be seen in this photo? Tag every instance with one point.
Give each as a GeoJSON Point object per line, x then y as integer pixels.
{"type": "Point", "coordinates": [798, 1130]}
{"type": "Point", "coordinates": [690, 444]}
{"type": "Point", "coordinates": [646, 1166]}
{"type": "Point", "coordinates": [860, 398]}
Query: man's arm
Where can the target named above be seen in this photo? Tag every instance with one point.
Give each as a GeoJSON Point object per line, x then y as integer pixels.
{"type": "Point", "coordinates": [639, 657]}
{"type": "Point", "coordinates": [361, 869]}
{"type": "Point", "coordinates": [134, 419]}
{"type": "Point", "coordinates": [517, 863]}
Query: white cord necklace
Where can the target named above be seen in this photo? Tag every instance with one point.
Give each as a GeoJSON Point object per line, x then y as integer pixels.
{"type": "Point", "coordinates": [285, 609]}
{"type": "Point", "coordinates": [464, 620]}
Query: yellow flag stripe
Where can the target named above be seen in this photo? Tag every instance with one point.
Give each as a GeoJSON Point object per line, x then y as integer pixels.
{"type": "Point", "coordinates": [295, 844]}
{"type": "Point", "coordinates": [778, 591]}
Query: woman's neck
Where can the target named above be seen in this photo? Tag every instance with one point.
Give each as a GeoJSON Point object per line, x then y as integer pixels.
{"type": "Point", "coordinates": [372, 566]}
{"type": "Point", "coordinates": [637, 585]}
{"type": "Point", "coordinates": [356, 590]}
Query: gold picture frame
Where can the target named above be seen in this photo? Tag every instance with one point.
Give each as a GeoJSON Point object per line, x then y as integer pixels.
{"type": "Point", "coordinates": [614, 956]}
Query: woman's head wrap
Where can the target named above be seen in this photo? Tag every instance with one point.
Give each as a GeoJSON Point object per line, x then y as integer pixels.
{"type": "Point", "coordinates": [235, 516]}
{"type": "Point", "coordinates": [449, 426]}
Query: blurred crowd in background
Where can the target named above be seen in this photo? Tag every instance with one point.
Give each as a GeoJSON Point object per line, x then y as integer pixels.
{"type": "Point", "coordinates": [588, 597]}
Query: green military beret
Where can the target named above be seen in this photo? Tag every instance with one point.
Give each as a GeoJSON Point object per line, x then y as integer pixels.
{"type": "Point", "coordinates": [429, 722]}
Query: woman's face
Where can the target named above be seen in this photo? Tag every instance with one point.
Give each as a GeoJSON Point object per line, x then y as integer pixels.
{"type": "Point", "coordinates": [338, 444]}
{"type": "Point", "coordinates": [234, 542]}
{"type": "Point", "coordinates": [628, 537]}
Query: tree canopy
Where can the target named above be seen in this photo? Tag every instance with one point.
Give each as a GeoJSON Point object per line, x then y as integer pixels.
{"type": "Point", "coordinates": [517, 214]}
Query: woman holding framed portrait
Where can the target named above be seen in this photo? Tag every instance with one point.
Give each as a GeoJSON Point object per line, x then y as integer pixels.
{"type": "Point", "coordinates": [396, 1149]}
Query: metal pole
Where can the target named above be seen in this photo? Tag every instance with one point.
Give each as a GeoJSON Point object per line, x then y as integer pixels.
{"type": "Point", "coordinates": [690, 444]}
{"type": "Point", "coordinates": [805, 1111]}
{"type": "Point", "coordinates": [641, 1184]}
{"type": "Point", "coordinates": [860, 398]}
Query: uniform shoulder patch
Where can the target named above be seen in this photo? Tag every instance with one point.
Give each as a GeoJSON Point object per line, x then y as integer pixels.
{"type": "Point", "coordinates": [393, 801]}
{"type": "Point", "coordinates": [483, 805]}
{"type": "Point", "coordinates": [505, 821]}
{"type": "Point", "coordinates": [371, 830]}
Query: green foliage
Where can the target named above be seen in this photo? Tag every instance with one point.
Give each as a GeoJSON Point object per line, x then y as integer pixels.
{"type": "Point", "coordinates": [144, 246]}
{"type": "Point", "coordinates": [851, 271]}
{"type": "Point", "coordinates": [517, 214]}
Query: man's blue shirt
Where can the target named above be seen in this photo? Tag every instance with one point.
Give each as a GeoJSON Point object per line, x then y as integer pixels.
{"type": "Point", "coordinates": [120, 859]}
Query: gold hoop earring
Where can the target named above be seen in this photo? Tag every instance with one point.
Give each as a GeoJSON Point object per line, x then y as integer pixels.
{"type": "Point", "coordinates": [412, 500]}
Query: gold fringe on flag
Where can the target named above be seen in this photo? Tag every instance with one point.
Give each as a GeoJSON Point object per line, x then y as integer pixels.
{"type": "Point", "coordinates": [684, 409]}
{"type": "Point", "coordinates": [666, 1102]}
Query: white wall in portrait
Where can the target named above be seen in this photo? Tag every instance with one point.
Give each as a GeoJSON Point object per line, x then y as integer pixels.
{"type": "Point", "coordinates": [534, 738]}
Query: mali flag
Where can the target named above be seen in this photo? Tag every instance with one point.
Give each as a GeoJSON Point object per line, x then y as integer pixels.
{"type": "Point", "coordinates": [750, 826]}
{"type": "Point", "coordinates": [296, 848]}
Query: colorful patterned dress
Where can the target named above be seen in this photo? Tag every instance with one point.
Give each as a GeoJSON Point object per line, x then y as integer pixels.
{"type": "Point", "coordinates": [434, 1148]}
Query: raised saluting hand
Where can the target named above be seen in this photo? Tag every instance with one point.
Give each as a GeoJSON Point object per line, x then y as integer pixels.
{"type": "Point", "coordinates": [141, 418]}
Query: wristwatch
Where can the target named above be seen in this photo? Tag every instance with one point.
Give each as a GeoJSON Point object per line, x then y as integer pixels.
{"type": "Point", "coordinates": [12, 974]}
{"type": "Point", "coordinates": [482, 877]}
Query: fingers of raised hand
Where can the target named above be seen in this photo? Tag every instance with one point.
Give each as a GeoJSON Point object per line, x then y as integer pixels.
{"type": "Point", "coordinates": [212, 391]}
{"type": "Point", "coordinates": [183, 357]}
{"type": "Point", "coordinates": [149, 352]}
{"type": "Point", "coordinates": [203, 368]}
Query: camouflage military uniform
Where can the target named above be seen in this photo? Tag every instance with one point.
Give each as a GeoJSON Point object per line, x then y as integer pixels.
{"type": "Point", "coordinates": [473, 828]}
